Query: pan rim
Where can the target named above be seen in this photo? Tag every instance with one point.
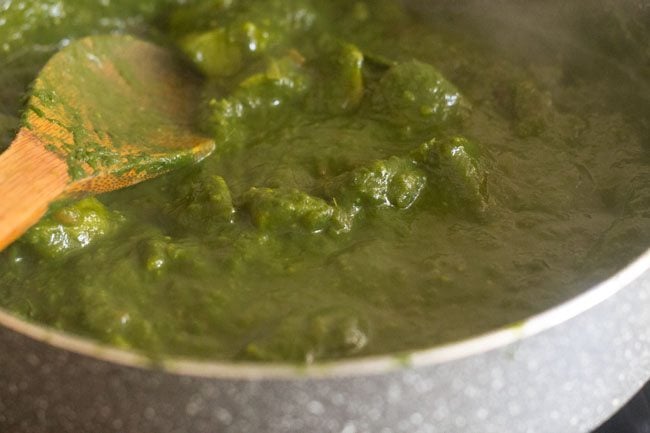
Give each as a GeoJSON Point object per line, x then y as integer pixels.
{"type": "Point", "coordinates": [364, 366]}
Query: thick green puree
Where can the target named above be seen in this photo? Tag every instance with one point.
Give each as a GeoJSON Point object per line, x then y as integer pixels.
{"type": "Point", "coordinates": [379, 185]}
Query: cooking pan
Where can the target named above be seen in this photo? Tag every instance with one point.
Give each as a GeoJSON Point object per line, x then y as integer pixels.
{"type": "Point", "coordinates": [566, 369]}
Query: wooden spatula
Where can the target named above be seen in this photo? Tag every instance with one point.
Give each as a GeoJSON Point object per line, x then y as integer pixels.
{"type": "Point", "coordinates": [105, 112]}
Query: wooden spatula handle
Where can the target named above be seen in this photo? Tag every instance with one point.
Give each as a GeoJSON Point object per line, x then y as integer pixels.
{"type": "Point", "coordinates": [31, 177]}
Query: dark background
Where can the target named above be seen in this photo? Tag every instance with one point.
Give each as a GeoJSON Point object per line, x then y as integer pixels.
{"type": "Point", "coordinates": [633, 418]}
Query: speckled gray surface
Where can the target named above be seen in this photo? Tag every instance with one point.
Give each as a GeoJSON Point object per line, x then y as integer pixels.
{"type": "Point", "coordinates": [566, 379]}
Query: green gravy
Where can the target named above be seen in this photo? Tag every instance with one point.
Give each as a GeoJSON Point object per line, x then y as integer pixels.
{"type": "Point", "coordinates": [380, 185]}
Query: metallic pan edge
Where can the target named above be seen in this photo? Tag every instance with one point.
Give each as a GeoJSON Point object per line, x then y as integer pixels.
{"type": "Point", "coordinates": [369, 365]}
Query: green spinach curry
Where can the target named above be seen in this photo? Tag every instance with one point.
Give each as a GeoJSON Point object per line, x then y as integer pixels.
{"type": "Point", "coordinates": [380, 185]}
